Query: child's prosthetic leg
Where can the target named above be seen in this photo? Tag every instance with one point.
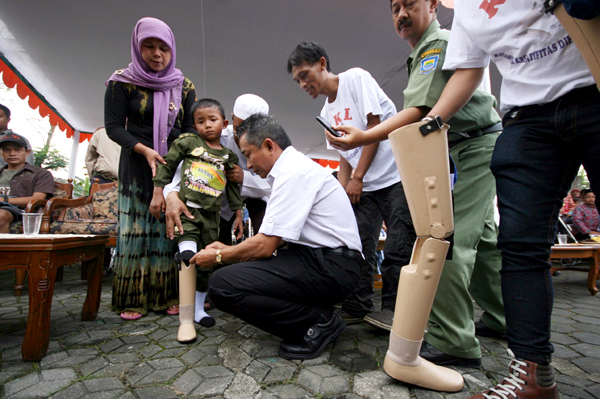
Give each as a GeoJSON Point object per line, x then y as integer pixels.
{"type": "Point", "coordinates": [187, 298]}
{"type": "Point", "coordinates": [421, 152]}
{"type": "Point", "coordinates": [585, 35]}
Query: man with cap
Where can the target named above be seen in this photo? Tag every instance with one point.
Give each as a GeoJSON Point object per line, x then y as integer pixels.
{"type": "Point", "coordinates": [4, 120]}
{"type": "Point", "coordinates": [20, 182]}
{"type": "Point", "coordinates": [254, 190]}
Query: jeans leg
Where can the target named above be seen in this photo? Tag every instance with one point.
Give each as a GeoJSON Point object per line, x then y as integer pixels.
{"type": "Point", "coordinates": [535, 161]}
{"type": "Point", "coordinates": [368, 217]}
{"type": "Point", "coordinates": [399, 242]}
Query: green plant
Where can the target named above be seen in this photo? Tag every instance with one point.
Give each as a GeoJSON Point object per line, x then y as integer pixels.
{"type": "Point", "coordinates": [81, 186]}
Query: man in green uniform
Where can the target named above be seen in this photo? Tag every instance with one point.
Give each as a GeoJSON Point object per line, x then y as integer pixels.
{"type": "Point", "coordinates": [474, 268]}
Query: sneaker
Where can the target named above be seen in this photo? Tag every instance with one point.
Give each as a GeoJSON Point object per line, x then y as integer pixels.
{"type": "Point", "coordinates": [348, 318]}
{"type": "Point", "coordinates": [524, 382]}
{"type": "Point", "coordinates": [382, 319]}
{"type": "Point", "coordinates": [484, 331]}
{"type": "Point", "coordinates": [436, 356]}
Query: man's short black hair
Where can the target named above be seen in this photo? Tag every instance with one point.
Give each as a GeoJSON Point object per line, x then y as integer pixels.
{"type": "Point", "coordinates": [310, 52]}
{"type": "Point", "coordinates": [208, 103]}
{"type": "Point", "coordinates": [6, 110]}
{"type": "Point", "coordinates": [258, 127]}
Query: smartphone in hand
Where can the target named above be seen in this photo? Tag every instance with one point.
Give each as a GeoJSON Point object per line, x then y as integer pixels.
{"type": "Point", "coordinates": [328, 127]}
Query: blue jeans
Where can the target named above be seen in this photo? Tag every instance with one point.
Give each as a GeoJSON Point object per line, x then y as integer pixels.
{"type": "Point", "coordinates": [535, 161]}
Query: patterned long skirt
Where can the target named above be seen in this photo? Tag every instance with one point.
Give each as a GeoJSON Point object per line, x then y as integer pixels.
{"type": "Point", "coordinates": [146, 276]}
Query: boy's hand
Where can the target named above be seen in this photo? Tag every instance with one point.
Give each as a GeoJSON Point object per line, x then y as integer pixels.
{"type": "Point", "coordinates": [235, 174]}
{"type": "Point", "coordinates": [353, 138]}
{"type": "Point", "coordinates": [157, 205]}
{"type": "Point", "coordinates": [238, 228]}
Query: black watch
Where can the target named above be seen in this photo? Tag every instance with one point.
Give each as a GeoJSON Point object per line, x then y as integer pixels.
{"type": "Point", "coordinates": [434, 124]}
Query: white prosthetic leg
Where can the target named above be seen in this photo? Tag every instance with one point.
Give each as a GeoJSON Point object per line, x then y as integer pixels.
{"type": "Point", "coordinates": [422, 160]}
{"type": "Point", "coordinates": [586, 36]}
{"type": "Point", "coordinates": [187, 300]}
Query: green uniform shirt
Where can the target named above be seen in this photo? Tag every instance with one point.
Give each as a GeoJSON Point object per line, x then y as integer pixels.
{"type": "Point", "coordinates": [426, 81]}
{"type": "Point", "coordinates": [202, 173]}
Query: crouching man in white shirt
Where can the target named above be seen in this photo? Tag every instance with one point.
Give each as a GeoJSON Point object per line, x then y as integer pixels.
{"type": "Point", "coordinates": [290, 295]}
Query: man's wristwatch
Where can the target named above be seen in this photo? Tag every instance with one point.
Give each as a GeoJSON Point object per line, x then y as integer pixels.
{"type": "Point", "coordinates": [219, 259]}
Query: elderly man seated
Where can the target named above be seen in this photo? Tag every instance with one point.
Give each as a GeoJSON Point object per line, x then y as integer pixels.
{"type": "Point", "coordinates": [20, 182]}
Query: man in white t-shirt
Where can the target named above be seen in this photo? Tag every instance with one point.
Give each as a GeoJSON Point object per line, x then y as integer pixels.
{"type": "Point", "coordinates": [550, 130]}
{"type": "Point", "coordinates": [354, 98]}
{"type": "Point", "coordinates": [291, 295]}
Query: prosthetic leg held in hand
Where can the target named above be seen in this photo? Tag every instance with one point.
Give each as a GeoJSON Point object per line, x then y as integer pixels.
{"type": "Point", "coordinates": [187, 299]}
{"type": "Point", "coordinates": [421, 152]}
{"type": "Point", "coordinates": [585, 35]}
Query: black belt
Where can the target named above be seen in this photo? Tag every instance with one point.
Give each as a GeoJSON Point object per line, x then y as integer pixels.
{"type": "Point", "coordinates": [475, 133]}
{"type": "Point", "coordinates": [352, 253]}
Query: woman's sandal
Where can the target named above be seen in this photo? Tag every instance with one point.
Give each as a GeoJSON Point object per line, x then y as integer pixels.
{"type": "Point", "coordinates": [173, 310]}
{"type": "Point", "coordinates": [131, 315]}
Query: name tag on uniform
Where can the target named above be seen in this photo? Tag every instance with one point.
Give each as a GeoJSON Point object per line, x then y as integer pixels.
{"type": "Point", "coordinates": [428, 64]}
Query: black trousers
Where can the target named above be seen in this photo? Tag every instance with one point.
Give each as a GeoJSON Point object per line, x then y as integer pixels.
{"type": "Point", "coordinates": [285, 294]}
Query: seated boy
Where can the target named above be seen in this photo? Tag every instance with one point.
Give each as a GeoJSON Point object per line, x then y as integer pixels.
{"type": "Point", "coordinates": [202, 183]}
{"type": "Point", "coordinates": [20, 182]}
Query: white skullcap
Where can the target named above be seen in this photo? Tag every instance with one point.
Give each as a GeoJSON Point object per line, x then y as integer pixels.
{"type": "Point", "coordinates": [248, 104]}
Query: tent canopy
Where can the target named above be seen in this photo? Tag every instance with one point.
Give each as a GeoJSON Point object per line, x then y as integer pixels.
{"type": "Point", "coordinates": [67, 49]}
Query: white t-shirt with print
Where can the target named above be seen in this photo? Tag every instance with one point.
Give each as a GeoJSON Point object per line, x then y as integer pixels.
{"type": "Point", "coordinates": [359, 95]}
{"type": "Point", "coordinates": [536, 57]}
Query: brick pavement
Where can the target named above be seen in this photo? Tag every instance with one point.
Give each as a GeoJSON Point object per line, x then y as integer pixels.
{"type": "Point", "coordinates": [113, 358]}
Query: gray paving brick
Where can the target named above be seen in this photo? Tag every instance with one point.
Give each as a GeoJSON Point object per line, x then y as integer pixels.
{"type": "Point", "coordinates": [324, 379]}
{"type": "Point", "coordinates": [284, 392]}
{"type": "Point", "coordinates": [377, 385]}
{"type": "Point", "coordinates": [243, 386]}
{"type": "Point", "coordinates": [588, 364]}
{"type": "Point", "coordinates": [103, 384]}
{"type": "Point", "coordinates": [587, 337]}
{"type": "Point", "coordinates": [155, 392]}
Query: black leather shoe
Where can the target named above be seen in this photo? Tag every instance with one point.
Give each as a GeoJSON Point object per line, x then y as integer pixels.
{"type": "Point", "coordinates": [315, 340]}
{"type": "Point", "coordinates": [436, 356]}
{"type": "Point", "coordinates": [484, 331]}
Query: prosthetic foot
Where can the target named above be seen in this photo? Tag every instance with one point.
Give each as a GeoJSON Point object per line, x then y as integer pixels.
{"type": "Point", "coordinates": [187, 299]}
{"type": "Point", "coordinates": [421, 152]}
{"type": "Point", "coordinates": [585, 35]}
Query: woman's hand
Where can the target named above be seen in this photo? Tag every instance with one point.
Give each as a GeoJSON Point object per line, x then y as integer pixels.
{"type": "Point", "coordinates": [157, 205]}
{"type": "Point", "coordinates": [353, 138]}
{"type": "Point", "coordinates": [151, 156]}
{"type": "Point", "coordinates": [174, 208]}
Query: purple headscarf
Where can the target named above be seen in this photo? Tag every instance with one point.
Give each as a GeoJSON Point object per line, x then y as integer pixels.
{"type": "Point", "coordinates": [167, 84]}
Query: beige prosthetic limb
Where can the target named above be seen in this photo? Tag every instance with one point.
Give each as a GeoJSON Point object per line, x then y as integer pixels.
{"type": "Point", "coordinates": [586, 36]}
{"type": "Point", "coordinates": [187, 301]}
{"type": "Point", "coordinates": [422, 161]}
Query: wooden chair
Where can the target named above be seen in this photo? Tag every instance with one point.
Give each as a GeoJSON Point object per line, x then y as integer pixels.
{"type": "Point", "coordinates": [61, 190]}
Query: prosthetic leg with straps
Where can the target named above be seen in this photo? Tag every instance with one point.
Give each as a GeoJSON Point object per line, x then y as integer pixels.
{"type": "Point", "coordinates": [187, 300]}
{"type": "Point", "coordinates": [421, 152]}
{"type": "Point", "coordinates": [585, 35]}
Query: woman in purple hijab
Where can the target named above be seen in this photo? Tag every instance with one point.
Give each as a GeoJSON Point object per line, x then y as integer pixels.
{"type": "Point", "coordinates": [146, 107]}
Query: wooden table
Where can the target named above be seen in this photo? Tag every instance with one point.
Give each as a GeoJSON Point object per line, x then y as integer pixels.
{"type": "Point", "coordinates": [41, 256]}
{"type": "Point", "coordinates": [591, 251]}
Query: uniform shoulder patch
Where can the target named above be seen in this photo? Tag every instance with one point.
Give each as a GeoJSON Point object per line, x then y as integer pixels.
{"type": "Point", "coordinates": [431, 52]}
{"type": "Point", "coordinates": [429, 64]}
{"type": "Point", "coordinates": [182, 135]}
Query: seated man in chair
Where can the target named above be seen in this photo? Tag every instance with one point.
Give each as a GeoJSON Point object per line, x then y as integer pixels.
{"type": "Point", "coordinates": [20, 182]}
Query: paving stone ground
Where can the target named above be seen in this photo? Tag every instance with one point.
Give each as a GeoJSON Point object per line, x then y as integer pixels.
{"type": "Point", "coordinates": [113, 358]}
